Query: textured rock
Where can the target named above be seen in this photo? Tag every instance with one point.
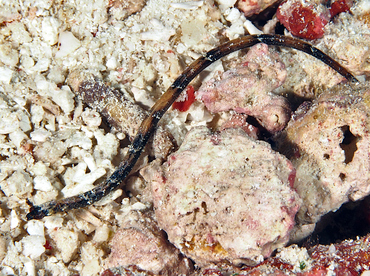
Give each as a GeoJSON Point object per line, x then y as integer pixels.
{"type": "Point", "coordinates": [224, 196]}
{"type": "Point", "coordinates": [328, 144]}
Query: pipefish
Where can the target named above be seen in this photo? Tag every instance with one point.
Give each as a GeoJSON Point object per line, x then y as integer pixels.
{"type": "Point", "coordinates": [149, 124]}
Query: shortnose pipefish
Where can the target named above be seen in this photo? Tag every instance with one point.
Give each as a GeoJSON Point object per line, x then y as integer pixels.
{"type": "Point", "coordinates": [149, 124]}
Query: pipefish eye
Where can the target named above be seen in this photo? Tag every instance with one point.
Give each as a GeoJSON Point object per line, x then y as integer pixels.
{"type": "Point", "coordinates": [149, 124]}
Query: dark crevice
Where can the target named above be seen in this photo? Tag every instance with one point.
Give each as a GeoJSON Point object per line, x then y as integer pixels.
{"type": "Point", "coordinates": [352, 220]}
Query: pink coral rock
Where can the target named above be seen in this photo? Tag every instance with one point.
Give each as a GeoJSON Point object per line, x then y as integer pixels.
{"type": "Point", "coordinates": [329, 144]}
{"type": "Point", "coordinates": [247, 89]}
{"type": "Point", "coordinates": [224, 196]}
{"type": "Point", "coordinates": [250, 7]}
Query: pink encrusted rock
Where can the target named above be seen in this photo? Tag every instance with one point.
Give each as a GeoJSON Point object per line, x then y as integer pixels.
{"type": "Point", "coordinates": [250, 7]}
{"type": "Point", "coordinates": [141, 243]}
{"type": "Point", "coordinates": [247, 89]}
{"type": "Point", "coordinates": [224, 196]}
{"type": "Point", "coordinates": [329, 144]}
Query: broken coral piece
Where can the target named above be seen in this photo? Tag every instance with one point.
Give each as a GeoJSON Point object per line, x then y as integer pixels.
{"type": "Point", "coordinates": [140, 242]}
{"type": "Point", "coordinates": [224, 196]}
{"type": "Point", "coordinates": [328, 144]}
{"type": "Point", "coordinates": [118, 110]}
{"type": "Point", "coordinates": [247, 89]}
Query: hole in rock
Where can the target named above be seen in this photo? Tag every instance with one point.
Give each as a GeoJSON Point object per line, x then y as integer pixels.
{"type": "Point", "coordinates": [342, 176]}
{"type": "Point", "coordinates": [348, 144]}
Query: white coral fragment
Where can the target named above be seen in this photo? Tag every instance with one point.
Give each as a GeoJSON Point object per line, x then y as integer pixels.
{"type": "Point", "coordinates": [81, 181]}
{"type": "Point", "coordinates": [49, 30]}
{"type": "Point", "coordinates": [190, 5]}
{"type": "Point", "coordinates": [68, 44]}
{"type": "Point", "coordinates": [8, 122]}
{"type": "Point", "coordinates": [33, 246]}
{"type": "Point", "coordinates": [18, 184]}
{"type": "Point", "coordinates": [66, 241]}
{"type": "Point", "coordinates": [42, 183]}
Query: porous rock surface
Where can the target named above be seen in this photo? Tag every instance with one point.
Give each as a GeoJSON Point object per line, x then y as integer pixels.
{"type": "Point", "coordinates": [328, 144]}
{"type": "Point", "coordinates": [224, 196]}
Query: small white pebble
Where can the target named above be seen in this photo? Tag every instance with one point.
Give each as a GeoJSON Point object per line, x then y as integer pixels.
{"type": "Point", "coordinates": [112, 63]}
{"type": "Point", "coordinates": [29, 267]}
{"type": "Point", "coordinates": [14, 220]}
{"type": "Point", "coordinates": [79, 139]}
{"type": "Point", "coordinates": [107, 144]}
{"type": "Point", "coordinates": [8, 122]}
{"type": "Point", "coordinates": [67, 242]}
{"type": "Point", "coordinates": [6, 270]}
{"type": "Point", "coordinates": [82, 182]}
{"type": "Point", "coordinates": [20, 101]}
{"type": "Point", "coordinates": [17, 137]}
{"type": "Point", "coordinates": [42, 183]}
{"type": "Point", "coordinates": [33, 246]}
{"type": "Point", "coordinates": [18, 184]}
{"type": "Point", "coordinates": [53, 222]}
{"type": "Point", "coordinates": [35, 227]}
{"type": "Point", "coordinates": [181, 48]}
{"type": "Point", "coordinates": [90, 162]}
{"type": "Point", "coordinates": [5, 75]}
{"type": "Point", "coordinates": [139, 206]}
{"type": "Point", "coordinates": [40, 135]}
{"type": "Point", "coordinates": [101, 233]}
{"type": "Point", "coordinates": [142, 97]}
{"type": "Point", "coordinates": [120, 135]}
{"type": "Point", "coordinates": [191, 5]}
{"type": "Point", "coordinates": [89, 217]}
{"type": "Point", "coordinates": [50, 30]}
{"type": "Point", "coordinates": [332, 249]}
{"type": "Point", "coordinates": [225, 4]}
{"type": "Point", "coordinates": [68, 44]}
{"type": "Point", "coordinates": [248, 25]}
{"type": "Point", "coordinates": [91, 118]}
{"type": "Point", "coordinates": [39, 168]}
{"type": "Point", "coordinates": [233, 15]}
{"type": "Point", "coordinates": [64, 98]}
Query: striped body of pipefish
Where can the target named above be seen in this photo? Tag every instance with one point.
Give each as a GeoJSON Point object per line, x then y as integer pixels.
{"type": "Point", "coordinates": [149, 124]}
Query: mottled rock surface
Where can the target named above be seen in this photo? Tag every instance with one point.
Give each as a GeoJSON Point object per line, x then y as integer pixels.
{"type": "Point", "coordinates": [224, 196]}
